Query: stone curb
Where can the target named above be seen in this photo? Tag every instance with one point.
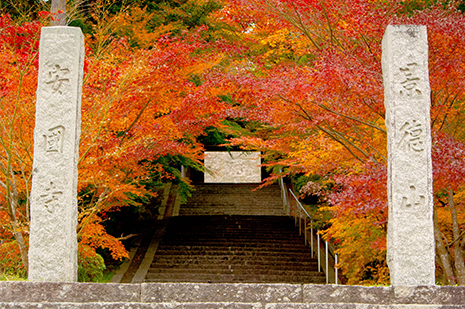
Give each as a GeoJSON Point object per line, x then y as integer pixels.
{"type": "Point", "coordinates": [140, 274]}
{"type": "Point", "coordinates": [46, 295]}
{"type": "Point", "coordinates": [212, 305]}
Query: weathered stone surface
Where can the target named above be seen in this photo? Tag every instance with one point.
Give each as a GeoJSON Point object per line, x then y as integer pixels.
{"type": "Point", "coordinates": [355, 306]}
{"type": "Point", "coordinates": [174, 305]}
{"type": "Point", "coordinates": [75, 306]}
{"type": "Point", "coordinates": [410, 239]}
{"type": "Point", "coordinates": [36, 292]}
{"type": "Point", "coordinates": [203, 305]}
{"type": "Point", "coordinates": [446, 295]}
{"type": "Point", "coordinates": [53, 243]}
{"type": "Point", "coordinates": [53, 295]}
{"type": "Point", "coordinates": [346, 294]}
{"type": "Point", "coordinates": [170, 305]}
{"type": "Point", "coordinates": [232, 167]}
{"type": "Point", "coordinates": [200, 292]}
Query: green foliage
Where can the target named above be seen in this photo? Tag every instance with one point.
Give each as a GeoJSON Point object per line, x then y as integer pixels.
{"type": "Point", "coordinates": [22, 9]}
{"type": "Point", "coordinates": [302, 180]}
{"type": "Point", "coordinates": [409, 6]}
{"type": "Point", "coordinates": [168, 169]}
{"type": "Point", "coordinates": [90, 265]}
{"type": "Point", "coordinates": [11, 265]}
{"type": "Point", "coordinates": [188, 14]}
{"type": "Point", "coordinates": [461, 7]}
{"type": "Point", "coordinates": [213, 137]}
{"type": "Point", "coordinates": [81, 23]}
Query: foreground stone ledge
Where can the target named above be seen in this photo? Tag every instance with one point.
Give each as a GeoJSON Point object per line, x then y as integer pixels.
{"type": "Point", "coordinates": [216, 306]}
{"type": "Point", "coordinates": [421, 295]}
{"type": "Point", "coordinates": [54, 292]}
{"type": "Point", "coordinates": [47, 295]}
{"type": "Point", "coordinates": [446, 295]}
{"type": "Point", "coordinates": [356, 306]}
{"type": "Point", "coordinates": [221, 292]}
{"type": "Point", "coordinates": [346, 294]}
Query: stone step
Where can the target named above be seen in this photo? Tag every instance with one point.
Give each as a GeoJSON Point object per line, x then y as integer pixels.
{"type": "Point", "coordinates": [282, 265]}
{"type": "Point", "coordinates": [245, 253]}
{"type": "Point", "coordinates": [235, 271]}
{"type": "Point", "coordinates": [188, 277]}
{"type": "Point", "coordinates": [234, 235]}
{"type": "Point", "coordinates": [263, 219]}
{"type": "Point", "coordinates": [161, 272]}
{"type": "Point", "coordinates": [234, 187]}
{"type": "Point", "coordinates": [246, 231]}
{"type": "Point", "coordinates": [236, 192]}
{"type": "Point", "coordinates": [231, 210]}
{"type": "Point", "coordinates": [302, 267]}
{"type": "Point", "coordinates": [228, 260]}
{"type": "Point", "coordinates": [231, 249]}
{"type": "Point", "coordinates": [245, 243]}
{"type": "Point", "coordinates": [238, 236]}
{"type": "Point", "coordinates": [244, 198]}
{"type": "Point", "coordinates": [234, 199]}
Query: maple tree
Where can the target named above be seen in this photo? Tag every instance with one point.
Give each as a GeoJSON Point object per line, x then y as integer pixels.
{"type": "Point", "coordinates": [139, 105]}
{"type": "Point", "coordinates": [315, 84]}
{"type": "Point", "coordinates": [299, 80]}
{"type": "Point", "coordinates": [18, 49]}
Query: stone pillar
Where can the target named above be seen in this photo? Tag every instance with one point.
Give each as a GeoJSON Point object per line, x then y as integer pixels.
{"type": "Point", "coordinates": [53, 200]}
{"type": "Point", "coordinates": [410, 239]}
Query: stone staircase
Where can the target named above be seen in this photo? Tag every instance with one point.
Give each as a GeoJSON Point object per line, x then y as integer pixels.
{"type": "Point", "coordinates": [218, 243]}
{"type": "Point", "coordinates": [233, 199]}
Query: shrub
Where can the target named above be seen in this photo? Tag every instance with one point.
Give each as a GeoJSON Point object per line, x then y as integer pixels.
{"type": "Point", "coordinates": [90, 265]}
{"type": "Point", "coordinates": [11, 264]}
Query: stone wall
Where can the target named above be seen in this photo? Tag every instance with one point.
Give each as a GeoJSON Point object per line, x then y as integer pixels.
{"type": "Point", "coordinates": [191, 295]}
{"type": "Point", "coordinates": [232, 167]}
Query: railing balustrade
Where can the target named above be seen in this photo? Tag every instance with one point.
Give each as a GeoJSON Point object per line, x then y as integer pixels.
{"type": "Point", "coordinates": [300, 214]}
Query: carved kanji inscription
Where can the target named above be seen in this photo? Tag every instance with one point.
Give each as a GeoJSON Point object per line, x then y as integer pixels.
{"type": "Point", "coordinates": [410, 80]}
{"type": "Point", "coordinates": [54, 139]}
{"type": "Point", "coordinates": [413, 198]}
{"type": "Point", "coordinates": [50, 197]}
{"type": "Point", "coordinates": [412, 136]}
{"type": "Point", "coordinates": [57, 78]}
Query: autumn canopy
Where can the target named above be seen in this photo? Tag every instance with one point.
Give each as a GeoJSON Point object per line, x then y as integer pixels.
{"type": "Point", "coordinates": [299, 80]}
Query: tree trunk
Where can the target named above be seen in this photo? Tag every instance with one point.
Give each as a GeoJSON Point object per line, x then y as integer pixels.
{"type": "Point", "coordinates": [17, 231]}
{"type": "Point", "coordinates": [445, 257]}
{"type": "Point", "coordinates": [59, 19]}
{"type": "Point", "coordinates": [458, 250]}
{"type": "Point", "coordinates": [23, 249]}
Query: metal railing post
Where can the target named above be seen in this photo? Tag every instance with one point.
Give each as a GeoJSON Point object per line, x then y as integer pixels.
{"type": "Point", "coordinates": [311, 236]}
{"type": "Point", "coordinates": [305, 230]}
{"type": "Point", "coordinates": [302, 212]}
{"type": "Point", "coordinates": [183, 171]}
{"type": "Point", "coordinates": [295, 215]}
{"type": "Point", "coordinates": [319, 260]}
{"type": "Point", "coordinates": [326, 256]}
